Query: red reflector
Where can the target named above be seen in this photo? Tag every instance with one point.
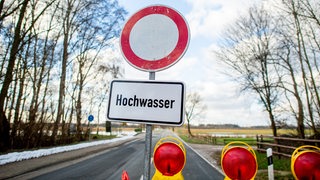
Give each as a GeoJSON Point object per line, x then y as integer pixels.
{"type": "Point", "coordinates": [169, 159]}
{"type": "Point", "coordinates": [307, 165]}
{"type": "Point", "coordinates": [125, 175]}
{"type": "Point", "coordinates": [239, 163]}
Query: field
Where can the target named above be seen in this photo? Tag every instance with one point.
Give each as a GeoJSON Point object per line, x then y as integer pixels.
{"type": "Point", "coordinates": [241, 132]}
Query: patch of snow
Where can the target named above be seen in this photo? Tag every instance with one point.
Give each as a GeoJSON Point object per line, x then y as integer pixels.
{"type": "Point", "coordinates": [19, 156]}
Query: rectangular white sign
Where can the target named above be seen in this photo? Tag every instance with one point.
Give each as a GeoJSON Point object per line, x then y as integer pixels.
{"type": "Point", "coordinates": [149, 102]}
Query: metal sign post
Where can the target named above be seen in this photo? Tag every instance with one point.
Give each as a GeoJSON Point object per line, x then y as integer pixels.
{"type": "Point", "coordinates": [154, 39]}
{"type": "Point", "coordinates": [147, 157]}
{"type": "Point", "coordinates": [148, 144]}
{"type": "Point", "coordinates": [90, 119]}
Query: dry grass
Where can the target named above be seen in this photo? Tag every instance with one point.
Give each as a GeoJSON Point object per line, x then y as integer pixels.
{"type": "Point", "coordinates": [239, 131]}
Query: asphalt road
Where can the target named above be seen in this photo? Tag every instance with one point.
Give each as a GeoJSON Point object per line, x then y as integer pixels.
{"type": "Point", "coordinates": [129, 157]}
{"type": "Point", "coordinates": [108, 165]}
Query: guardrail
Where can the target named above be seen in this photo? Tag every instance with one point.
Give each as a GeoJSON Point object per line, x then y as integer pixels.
{"type": "Point", "coordinates": [282, 146]}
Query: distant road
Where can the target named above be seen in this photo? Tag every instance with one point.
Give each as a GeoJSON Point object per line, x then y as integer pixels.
{"type": "Point", "coordinates": [129, 157]}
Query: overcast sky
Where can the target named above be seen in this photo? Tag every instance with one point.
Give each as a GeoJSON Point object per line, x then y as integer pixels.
{"type": "Point", "coordinates": [198, 67]}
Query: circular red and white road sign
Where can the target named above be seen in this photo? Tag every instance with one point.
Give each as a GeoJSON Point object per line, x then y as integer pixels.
{"type": "Point", "coordinates": [154, 38]}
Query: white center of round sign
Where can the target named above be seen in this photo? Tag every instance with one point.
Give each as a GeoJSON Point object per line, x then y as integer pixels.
{"type": "Point", "coordinates": [153, 37]}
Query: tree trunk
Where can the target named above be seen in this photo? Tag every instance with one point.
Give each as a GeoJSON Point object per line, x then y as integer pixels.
{"type": "Point", "coordinates": [189, 128]}
{"type": "Point", "coordinates": [4, 124]}
{"type": "Point", "coordinates": [16, 121]}
{"type": "Point", "coordinates": [60, 111]}
{"type": "Point", "coordinates": [79, 113]}
{"type": "Point", "coordinates": [300, 120]}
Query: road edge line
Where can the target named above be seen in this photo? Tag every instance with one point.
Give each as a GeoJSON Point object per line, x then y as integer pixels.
{"type": "Point", "coordinates": [218, 169]}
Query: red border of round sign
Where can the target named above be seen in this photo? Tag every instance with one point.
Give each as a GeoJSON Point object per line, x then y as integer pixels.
{"type": "Point", "coordinates": [167, 61]}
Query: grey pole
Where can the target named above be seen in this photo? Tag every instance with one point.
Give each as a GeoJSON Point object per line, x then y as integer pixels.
{"type": "Point", "coordinates": [148, 144]}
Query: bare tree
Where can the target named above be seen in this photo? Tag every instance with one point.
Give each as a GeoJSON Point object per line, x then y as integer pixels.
{"type": "Point", "coordinates": [7, 9]}
{"type": "Point", "coordinates": [301, 31]}
{"type": "Point", "coordinates": [247, 52]}
{"type": "Point", "coordinates": [194, 108]}
{"type": "Point", "coordinates": [4, 123]}
{"type": "Point", "coordinates": [74, 31]}
{"type": "Point", "coordinates": [276, 56]}
{"type": "Point", "coordinates": [68, 12]}
{"type": "Point", "coordinates": [103, 70]}
{"type": "Point", "coordinates": [91, 40]}
{"type": "Point", "coordinates": [88, 26]}
{"type": "Point", "coordinates": [43, 44]}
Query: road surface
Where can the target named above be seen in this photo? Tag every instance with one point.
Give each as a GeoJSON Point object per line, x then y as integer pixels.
{"type": "Point", "coordinates": [129, 157]}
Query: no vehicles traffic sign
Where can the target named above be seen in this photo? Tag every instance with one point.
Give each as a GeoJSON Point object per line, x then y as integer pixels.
{"type": "Point", "coordinates": [150, 102]}
{"type": "Point", "coordinates": [154, 38]}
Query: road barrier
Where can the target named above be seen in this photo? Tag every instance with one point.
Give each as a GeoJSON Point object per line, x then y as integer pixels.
{"type": "Point", "coordinates": [239, 162]}
{"type": "Point", "coordinates": [169, 159]}
{"type": "Point", "coordinates": [305, 162]}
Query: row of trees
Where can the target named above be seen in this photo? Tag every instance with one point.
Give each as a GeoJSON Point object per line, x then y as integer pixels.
{"type": "Point", "coordinates": [55, 67]}
{"type": "Point", "coordinates": [275, 53]}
